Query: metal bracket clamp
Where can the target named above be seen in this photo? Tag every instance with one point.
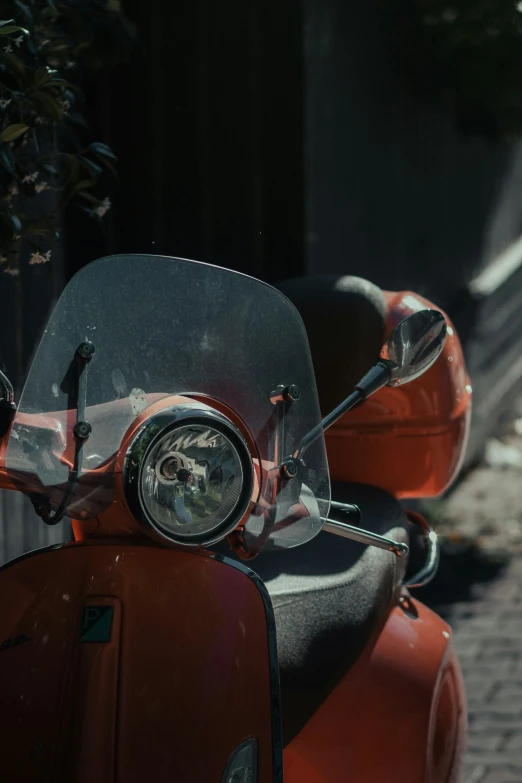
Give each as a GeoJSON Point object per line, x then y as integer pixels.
{"type": "Point", "coordinates": [428, 571]}
{"type": "Point", "coordinates": [358, 534]}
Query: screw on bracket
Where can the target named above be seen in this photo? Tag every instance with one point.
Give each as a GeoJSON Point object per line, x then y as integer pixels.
{"type": "Point", "coordinates": [82, 430]}
{"type": "Point", "coordinates": [85, 350]}
{"type": "Point", "coordinates": [290, 393]}
{"type": "Point", "coordinates": [289, 469]}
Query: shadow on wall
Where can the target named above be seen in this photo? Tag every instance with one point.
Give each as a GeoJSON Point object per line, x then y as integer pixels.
{"type": "Point", "coordinates": [394, 192]}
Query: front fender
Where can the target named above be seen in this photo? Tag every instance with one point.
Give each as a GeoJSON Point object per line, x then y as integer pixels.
{"type": "Point", "coordinates": [124, 662]}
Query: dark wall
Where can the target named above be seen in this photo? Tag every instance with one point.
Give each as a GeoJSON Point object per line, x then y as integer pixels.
{"type": "Point", "coordinates": [394, 192]}
{"type": "Point", "coordinates": [207, 124]}
{"type": "Point", "coordinates": [278, 139]}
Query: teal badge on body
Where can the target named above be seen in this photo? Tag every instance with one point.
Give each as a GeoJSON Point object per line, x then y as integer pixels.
{"type": "Point", "coordinates": [96, 624]}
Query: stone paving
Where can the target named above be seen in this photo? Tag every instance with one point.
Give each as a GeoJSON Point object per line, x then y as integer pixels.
{"type": "Point", "coordinates": [478, 590]}
{"type": "Point", "coordinates": [488, 639]}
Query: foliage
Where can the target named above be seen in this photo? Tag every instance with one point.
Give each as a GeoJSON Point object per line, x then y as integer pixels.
{"type": "Point", "coordinates": [46, 48]}
{"type": "Point", "coordinates": [467, 55]}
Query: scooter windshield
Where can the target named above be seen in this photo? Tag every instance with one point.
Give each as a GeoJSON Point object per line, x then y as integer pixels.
{"type": "Point", "coordinates": [162, 326]}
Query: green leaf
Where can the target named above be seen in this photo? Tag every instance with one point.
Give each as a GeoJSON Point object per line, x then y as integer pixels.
{"type": "Point", "coordinates": [49, 104]}
{"type": "Point", "coordinates": [14, 63]}
{"type": "Point", "coordinates": [40, 232]}
{"type": "Point", "coordinates": [108, 165]}
{"type": "Point", "coordinates": [103, 150]}
{"type": "Point", "coordinates": [74, 169]}
{"type": "Point", "coordinates": [89, 197]}
{"type": "Point", "coordinates": [6, 21]}
{"type": "Point", "coordinates": [42, 76]}
{"type": "Point", "coordinates": [77, 119]}
{"type": "Point", "coordinates": [12, 132]}
{"type": "Point", "coordinates": [13, 29]}
{"type": "Point", "coordinates": [50, 169]}
{"type": "Point", "coordinates": [25, 9]}
{"type": "Point", "coordinates": [7, 160]}
{"type": "Point", "coordinates": [16, 223]}
{"type": "Point", "coordinates": [84, 184]}
{"type": "Point", "coordinates": [59, 81]}
{"type": "Point", "coordinates": [90, 164]}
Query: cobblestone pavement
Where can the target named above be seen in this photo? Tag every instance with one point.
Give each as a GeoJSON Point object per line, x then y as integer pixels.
{"type": "Point", "coordinates": [478, 590]}
{"type": "Point", "coordinates": [488, 639]}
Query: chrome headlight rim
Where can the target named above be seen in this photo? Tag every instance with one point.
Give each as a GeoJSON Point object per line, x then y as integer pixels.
{"type": "Point", "coordinates": [157, 427]}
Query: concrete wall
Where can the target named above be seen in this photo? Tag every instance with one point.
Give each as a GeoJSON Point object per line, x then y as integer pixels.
{"type": "Point", "coordinates": [394, 193]}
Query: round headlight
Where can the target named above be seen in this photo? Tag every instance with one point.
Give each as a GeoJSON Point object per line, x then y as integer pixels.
{"type": "Point", "coordinates": [189, 475]}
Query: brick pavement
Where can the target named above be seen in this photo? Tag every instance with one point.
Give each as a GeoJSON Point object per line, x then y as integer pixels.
{"type": "Point", "coordinates": [488, 639]}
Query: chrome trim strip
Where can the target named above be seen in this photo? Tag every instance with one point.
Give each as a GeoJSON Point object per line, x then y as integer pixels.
{"type": "Point", "coordinates": [157, 426]}
{"type": "Point", "coordinates": [7, 388]}
{"type": "Point", "coordinates": [275, 690]}
{"type": "Point", "coordinates": [364, 537]}
{"type": "Point", "coordinates": [429, 569]}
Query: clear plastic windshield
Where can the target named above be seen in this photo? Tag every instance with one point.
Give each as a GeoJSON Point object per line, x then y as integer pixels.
{"type": "Point", "coordinates": [163, 326]}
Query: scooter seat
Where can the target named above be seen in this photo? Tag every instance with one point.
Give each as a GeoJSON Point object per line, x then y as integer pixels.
{"type": "Point", "coordinates": [329, 596]}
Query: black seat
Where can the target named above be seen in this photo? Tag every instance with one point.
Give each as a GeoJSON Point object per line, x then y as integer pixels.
{"type": "Point", "coordinates": [328, 596]}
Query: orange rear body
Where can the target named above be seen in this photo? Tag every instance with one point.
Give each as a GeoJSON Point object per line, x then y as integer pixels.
{"type": "Point", "coordinates": [409, 440]}
{"type": "Point", "coordinates": [399, 715]}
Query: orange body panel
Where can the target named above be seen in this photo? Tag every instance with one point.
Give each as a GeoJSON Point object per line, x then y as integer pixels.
{"type": "Point", "coordinates": [408, 440]}
{"type": "Point", "coordinates": [185, 675]}
{"type": "Point", "coordinates": [399, 714]}
{"type": "Point", "coordinates": [183, 679]}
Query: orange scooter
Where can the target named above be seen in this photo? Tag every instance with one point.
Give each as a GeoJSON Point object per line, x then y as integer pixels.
{"type": "Point", "coordinates": [171, 412]}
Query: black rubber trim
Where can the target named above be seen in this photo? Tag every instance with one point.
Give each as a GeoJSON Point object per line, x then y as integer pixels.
{"type": "Point", "coordinates": [32, 553]}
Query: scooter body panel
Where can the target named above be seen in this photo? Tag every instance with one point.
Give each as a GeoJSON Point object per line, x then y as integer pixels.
{"type": "Point", "coordinates": [399, 714]}
{"type": "Point", "coordinates": [122, 661]}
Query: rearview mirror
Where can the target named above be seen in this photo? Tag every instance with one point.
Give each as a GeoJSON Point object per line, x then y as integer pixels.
{"type": "Point", "coordinates": [414, 345]}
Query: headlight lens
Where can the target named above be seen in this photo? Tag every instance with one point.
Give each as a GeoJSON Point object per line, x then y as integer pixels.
{"type": "Point", "coordinates": [194, 480]}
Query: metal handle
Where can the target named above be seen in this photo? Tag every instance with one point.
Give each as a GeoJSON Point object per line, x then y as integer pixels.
{"type": "Point", "coordinates": [7, 388]}
{"type": "Point", "coordinates": [428, 571]}
{"type": "Point", "coordinates": [360, 535]}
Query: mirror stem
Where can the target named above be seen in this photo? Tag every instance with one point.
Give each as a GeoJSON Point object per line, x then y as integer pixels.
{"type": "Point", "coordinates": [379, 376]}
{"type": "Point", "coordinates": [375, 379]}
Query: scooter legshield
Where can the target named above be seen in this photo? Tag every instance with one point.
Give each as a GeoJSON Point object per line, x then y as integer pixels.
{"type": "Point", "coordinates": [120, 662]}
